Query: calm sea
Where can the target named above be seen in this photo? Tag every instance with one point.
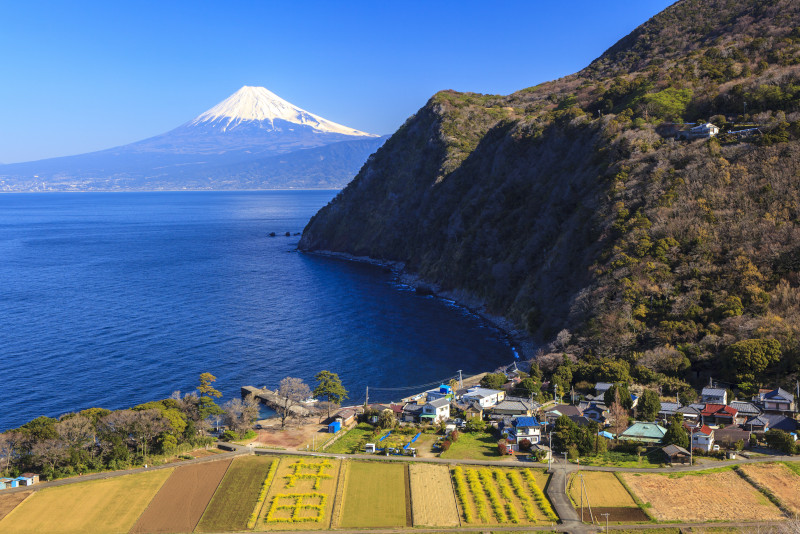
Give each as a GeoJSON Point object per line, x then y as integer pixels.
{"type": "Point", "coordinates": [114, 299]}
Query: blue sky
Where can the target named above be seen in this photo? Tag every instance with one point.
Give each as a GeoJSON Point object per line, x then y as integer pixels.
{"type": "Point", "coordinates": [83, 76]}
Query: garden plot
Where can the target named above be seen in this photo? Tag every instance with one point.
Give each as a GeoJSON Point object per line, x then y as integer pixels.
{"type": "Point", "coordinates": [301, 495]}
{"type": "Point", "coordinates": [12, 500]}
{"type": "Point", "coordinates": [181, 501]}
{"type": "Point", "coordinates": [778, 479]}
{"type": "Point", "coordinates": [432, 501]}
{"type": "Point", "coordinates": [235, 498]}
{"type": "Point", "coordinates": [606, 495]}
{"type": "Point", "coordinates": [494, 495]}
{"type": "Point", "coordinates": [701, 496]}
{"type": "Point", "coordinates": [97, 506]}
{"type": "Point", "coordinates": [375, 496]}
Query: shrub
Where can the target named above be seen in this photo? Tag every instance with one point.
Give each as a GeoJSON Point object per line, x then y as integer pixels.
{"type": "Point", "coordinates": [454, 436]}
{"type": "Point", "coordinates": [446, 445]}
{"type": "Point", "coordinates": [477, 494]}
{"type": "Point", "coordinates": [262, 495]}
{"type": "Point", "coordinates": [527, 504]}
{"type": "Point", "coordinates": [494, 499]}
{"type": "Point", "coordinates": [461, 492]}
{"type": "Point", "coordinates": [525, 444]}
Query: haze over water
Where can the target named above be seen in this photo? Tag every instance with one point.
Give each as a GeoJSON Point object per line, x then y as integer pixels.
{"type": "Point", "coordinates": [112, 300]}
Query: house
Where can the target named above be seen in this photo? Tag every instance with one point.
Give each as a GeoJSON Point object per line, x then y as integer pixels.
{"type": "Point", "coordinates": [524, 428]}
{"type": "Point", "coordinates": [436, 410]}
{"type": "Point", "coordinates": [644, 432]}
{"type": "Point", "coordinates": [691, 412]}
{"type": "Point", "coordinates": [757, 423]}
{"type": "Point", "coordinates": [345, 416]}
{"type": "Point", "coordinates": [513, 406]}
{"type": "Point", "coordinates": [561, 409]}
{"type": "Point", "coordinates": [701, 131]}
{"type": "Point", "coordinates": [483, 396]}
{"type": "Point", "coordinates": [702, 438]}
{"type": "Point", "coordinates": [581, 420]}
{"type": "Point", "coordinates": [596, 411]}
{"type": "Point", "coordinates": [668, 410]}
{"type": "Point", "coordinates": [728, 436]}
{"type": "Point", "coordinates": [601, 388]}
{"type": "Point", "coordinates": [745, 409]}
{"type": "Point", "coordinates": [718, 414]}
{"type": "Point", "coordinates": [334, 427]}
{"type": "Point", "coordinates": [780, 422]}
{"type": "Point", "coordinates": [777, 400]}
{"type": "Point", "coordinates": [470, 409]}
{"type": "Point", "coordinates": [676, 455]}
{"type": "Point", "coordinates": [714, 395]}
{"type": "Point", "coordinates": [442, 392]}
{"type": "Point", "coordinates": [538, 448]}
{"type": "Point", "coordinates": [412, 412]}
{"type": "Point", "coordinates": [7, 483]}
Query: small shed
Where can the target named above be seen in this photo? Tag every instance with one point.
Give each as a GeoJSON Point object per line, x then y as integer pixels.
{"type": "Point", "coordinates": [28, 479]}
{"type": "Point", "coordinates": [334, 427]}
{"type": "Point", "coordinates": [676, 455]}
{"type": "Point", "coordinates": [369, 447]}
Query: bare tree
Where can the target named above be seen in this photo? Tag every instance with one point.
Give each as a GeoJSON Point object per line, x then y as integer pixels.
{"type": "Point", "coordinates": [76, 431]}
{"type": "Point", "coordinates": [147, 424]}
{"type": "Point", "coordinates": [50, 451]}
{"type": "Point", "coordinates": [9, 445]}
{"type": "Point", "coordinates": [618, 415]}
{"type": "Point", "coordinates": [240, 414]}
{"type": "Point", "coordinates": [291, 392]}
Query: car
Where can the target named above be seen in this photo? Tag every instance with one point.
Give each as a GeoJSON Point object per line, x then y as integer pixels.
{"type": "Point", "coordinates": [715, 448]}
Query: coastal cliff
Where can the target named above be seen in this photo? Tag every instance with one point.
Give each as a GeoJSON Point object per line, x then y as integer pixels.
{"type": "Point", "coordinates": [575, 205]}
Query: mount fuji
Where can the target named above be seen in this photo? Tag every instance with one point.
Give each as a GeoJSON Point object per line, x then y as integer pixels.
{"type": "Point", "coordinates": [251, 140]}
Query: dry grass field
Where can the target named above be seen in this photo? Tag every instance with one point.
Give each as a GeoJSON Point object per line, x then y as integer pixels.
{"type": "Point", "coordinates": [181, 501]}
{"type": "Point", "coordinates": [603, 489]}
{"type": "Point", "coordinates": [301, 495]}
{"type": "Point", "coordinates": [375, 496]}
{"type": "Point", "coordinates": [432, 501]}
{"type": "Point", "coordinates": [236, 496]}
{"type": "Point", "coordinates": [98, 506]}
{"type": "Point", "coordinates": [778, 479]}
{"type": "Point", "coordinates": [702, 497]}
{"type": "Point", "coordinates": [10, 501]}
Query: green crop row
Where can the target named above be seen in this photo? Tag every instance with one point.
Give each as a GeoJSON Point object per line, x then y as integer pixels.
{"type": "Point", "coordinates": [494, 499]}
{"type": "Point", "coordinates": [527, 504]}
{"type": "Point", "coordinates": [477, 495]}
{"type": "Point", "coordinates": [262, 495]}
{"type": "Point", "coordinates": [538, 496]}
{"type": "Point", "coordinates": [461, 491]}
{"type": "Point", "coordinates": [298, 506]}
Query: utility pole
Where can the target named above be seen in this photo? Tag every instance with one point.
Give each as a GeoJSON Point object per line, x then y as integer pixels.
{"type": "Point", "coordinates": [366, 402]}
{"type": "Point", "coordinates": [460, 381]}
{"type": "Point", "coordinates": [606, 521]}
{"type": "Point", "coordinates": [565, 473]}
{"type": "Point", "coordinates": [691, 442]}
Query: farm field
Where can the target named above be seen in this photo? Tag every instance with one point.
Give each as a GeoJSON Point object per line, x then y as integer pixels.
{"type": "Point", "coordinates": [301, 495]}
{"type": "Point", "coordinates": [11, 501]}
{"type": "Point", "coordinates": [606, 495]}
{"type": "Point", "coordinates": [347, 443]}
{"type": "Point", "coordinates": [778, 479]}
{"type": "Point", "coordinates": [110, 505]}
{"type": "Point", "coordinates": [375, 495]}
{"type": "Point", "coordinates": [495, 495]}
{"type": "Point", "coordinates": [701, 497]}
{"type": "Point", "coordinates": [181, 501]}
{"type": "Point", "coordinates": [473, 446]}
{"type": "Point", "coordinates": [432, 500]}
{"type": "Point", "coordinates": [236, 496]}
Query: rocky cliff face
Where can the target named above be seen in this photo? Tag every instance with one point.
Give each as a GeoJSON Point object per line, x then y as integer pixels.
{"type": "Point", "coordinates": [571, 205]}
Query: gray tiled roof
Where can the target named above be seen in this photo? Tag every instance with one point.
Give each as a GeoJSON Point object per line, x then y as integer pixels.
{"type": "Point", "coordinates": [717, 392]}
{"type": "Point", "coordinates": [744, 407]}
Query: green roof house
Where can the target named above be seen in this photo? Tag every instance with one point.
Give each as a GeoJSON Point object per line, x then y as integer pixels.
{"type": "Point", "coordinates": [644, 432]}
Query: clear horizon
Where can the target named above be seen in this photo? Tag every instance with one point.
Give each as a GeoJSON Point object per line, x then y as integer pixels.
{"type": "Point", "coordinates": [87, 76]}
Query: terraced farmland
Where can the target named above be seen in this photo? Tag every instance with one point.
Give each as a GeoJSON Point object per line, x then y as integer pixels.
{"type": "Point", "coordinates": [605, 494]}
{"type": "Point", "coordinates": [98, 506]}
{"type": "Point", "coordinates": [494, 495]}
{"type": "Point", "coordinates": [778, 479]}
{"type": "Point", "coordinates": [233, 502]}
{"type": "Point", "coordinates": [12, 500]}
{"type": "Point", "coordinates": [375, 496]}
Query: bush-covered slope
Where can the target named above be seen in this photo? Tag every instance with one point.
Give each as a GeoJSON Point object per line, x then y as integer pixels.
{"type": "Point", "coordinates": [570, 205]}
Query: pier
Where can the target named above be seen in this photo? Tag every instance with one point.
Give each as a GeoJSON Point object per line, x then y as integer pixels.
{"type": "Point", "coordinates": [271, 399]}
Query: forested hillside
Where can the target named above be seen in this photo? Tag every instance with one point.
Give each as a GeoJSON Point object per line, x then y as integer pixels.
{"type": "Point", "coordinates": [571, 208]}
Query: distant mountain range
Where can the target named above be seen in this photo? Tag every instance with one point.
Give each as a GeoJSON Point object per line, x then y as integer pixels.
{"type": "Point", "coordinates": [252, 140]}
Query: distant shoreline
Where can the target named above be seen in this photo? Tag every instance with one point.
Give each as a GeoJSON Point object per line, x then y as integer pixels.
{"type": "Point", "coordinates": [520, 342]}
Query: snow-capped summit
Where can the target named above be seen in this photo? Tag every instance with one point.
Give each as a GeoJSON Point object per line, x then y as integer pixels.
{"type": "Point", "coordinates": [260, 104]}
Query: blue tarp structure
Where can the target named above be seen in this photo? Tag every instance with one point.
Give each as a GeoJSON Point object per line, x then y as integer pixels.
{"type": "Point", "coordinates": [334, 427]}
{"type": "Point", "coordinates": [384, 437]}
{"type": "Point", "coordinates": [415, 437]}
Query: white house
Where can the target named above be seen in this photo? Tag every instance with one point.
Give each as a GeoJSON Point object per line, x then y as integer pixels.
{"type": "Point", "coordinates": [484, 397]}
{"type": "Point", "coordinates": [711, 395]}
{"type": "Point", "coordinates": [777, 400]}
{"type": "Point", "coordinates": [524, 428]}
{"type": "Point", "coordinates": [703, 438]}
{"type": "Point", "coordinates": [436, 410]}
{"type": "Point", "coordinates": [700, 131]}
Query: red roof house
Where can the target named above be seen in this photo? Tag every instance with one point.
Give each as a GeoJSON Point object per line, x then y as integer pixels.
{"type": "Point", "coordinates": [718, 414]}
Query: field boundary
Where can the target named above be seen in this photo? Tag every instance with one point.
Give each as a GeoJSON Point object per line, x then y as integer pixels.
{"type": "Point", "coordinates": [765, 492]}
{"type": "Point", "coordinates": [338, 497]}
{"type": "Point", "coordinates": [409, 503]}
{"type": "Point", "coordinates": [644, 507]}
{"type": "Point", "coordinates": [455, 496]}
{"type": "Point", "coordinates": [212, 496]}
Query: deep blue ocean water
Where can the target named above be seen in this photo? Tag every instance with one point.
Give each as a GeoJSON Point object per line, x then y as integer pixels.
{"type": "Point", "coordinates": [114, 299]}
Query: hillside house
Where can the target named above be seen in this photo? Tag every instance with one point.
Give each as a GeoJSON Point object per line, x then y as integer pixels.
{"type": "Point", "coordinates": [714, 395]}
{"type": "Point", "coordinates": [676, 455]}
{"type": "Point", "coordinates": [780, 422]}
{"type": "Point", "coordinates": [728, 436]}
{"type": "Point", "coordinates": [513, 406]}
{"type": "Point", "coordinates": [691, 412]}
{"type": "Point", "coordinates": [470, 409]}
{"type": "Point", "coordinates": [442, 392]}
{"type": "Point", "coordinates": [595, 411]}
{"type": "Point", "coordinates": [412, 412]}
{"type": "Point", "coordinates": [644, 432]}
{"type": "Point", "coordinates": [345, 416]}
{"type": "Point", "coordinates": [483, 396]}
{"type": "Point", "coordinates": [757, 423]}
{"type": "Point", "coordinates": [601, 388]}
{"type": "Point", "coordinates": [8, 483]}
{"type": "Point", "coordinates": [701, 131]}
{"type": "Point", "coordinates": [436, 410]}
{"type": "Point", "coordinates": [777, 400]}
{"type": "Point", "coordinates": [561, 409]}
{"type": "Point", "coordinates": [702, 438]}
{"type": "Point", "coordinates": [718, 414]}
{"type": "Point", "coordinates": [668, 410]}
{"type": "Point", "coordinates": [745, 410]}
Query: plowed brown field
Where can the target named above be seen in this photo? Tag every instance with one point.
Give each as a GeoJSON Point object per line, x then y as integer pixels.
{"type": "Point", "coordinates": [181, 501]}
{"type": "Point", "coordinates": [433, 501]}
{"type": "Point", "coordinates": [702, 497]}
{"type": "Point", "coordinates": [780, 480]}
{"type": "Point", "coordinates": [10, 501]}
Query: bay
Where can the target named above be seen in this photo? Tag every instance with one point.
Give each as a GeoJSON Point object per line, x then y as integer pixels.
{"type": "Point", "coordinates": [115, 299]}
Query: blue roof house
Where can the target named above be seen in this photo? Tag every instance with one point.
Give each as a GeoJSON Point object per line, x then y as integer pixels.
{"type": "Point", "coordinates": [524, 428]}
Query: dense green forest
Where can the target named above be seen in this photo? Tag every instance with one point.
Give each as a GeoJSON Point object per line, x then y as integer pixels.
{"type": "Point", "coordinates": [571, 209]}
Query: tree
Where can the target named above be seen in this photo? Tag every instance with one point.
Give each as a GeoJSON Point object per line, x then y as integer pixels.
{"type": "Point", "coordinates": [386, 419]}
{"type": "Point", "coordinates": [475, 424]}
{"type": "Point", "coordinates": [330, 388]}
{"type": "Point", "coordinates": [619, 393]}
{"type": "Point", "coordinates": [676, 433]}
{"type": "Point", "coordinates": [493, 380]}
{"type": "Point", "coordinates": [240, 414]}
{"type": "Point", "coordinates": [618, 415]}
{"type": "Point", "coordinates": [291, 392]}
{"type": "Point", "coordinates": [649, 405]}
{"type": "Point", "coordinates": [780, 440]}
{"type": "Point", "coordinates": [10, 443]}
{"type": "Point", "coordinates": [565, 433]}
{"type": "Point", "coordinates": [527, 387]}
{"type": "Point", "coordinates": [751, 357]}
{"type": "Point", "coordinates": [76, 431]}
{"type": "Point", "coordinates": [49, 452]}
{"type": "Point", "coordinates": [207, 394]}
